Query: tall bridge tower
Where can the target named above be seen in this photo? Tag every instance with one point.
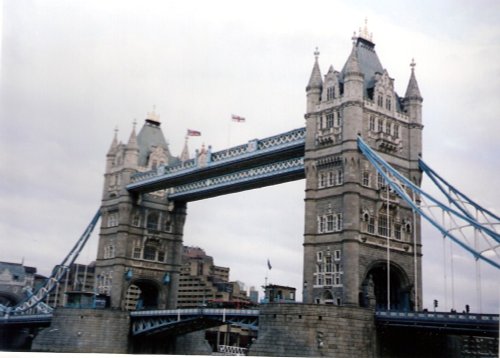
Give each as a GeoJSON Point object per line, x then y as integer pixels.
{"type": "Point", "coordinates": [140, 240]}
{"type": "Point", "coordinates": [359, 235]}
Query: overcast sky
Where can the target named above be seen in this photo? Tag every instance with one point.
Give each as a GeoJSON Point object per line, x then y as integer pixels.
{"type": "Point", "coordinates": [72, 71]}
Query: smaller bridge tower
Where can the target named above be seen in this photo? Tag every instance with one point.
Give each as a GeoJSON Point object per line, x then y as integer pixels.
{"type": "Point", "coordinates": [359, 236]}
{"type": "Point", "coordinates": [140, 241]}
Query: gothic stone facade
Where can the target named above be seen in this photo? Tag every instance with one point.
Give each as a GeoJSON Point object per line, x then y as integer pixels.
{"type": "Point", "coordinates": [140, 243]}
{"type": "Point", "coordinates": [350, 214]}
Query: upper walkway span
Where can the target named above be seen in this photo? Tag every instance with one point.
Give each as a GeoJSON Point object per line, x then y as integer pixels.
{"type": "Point", "coordinates": [259, 163]}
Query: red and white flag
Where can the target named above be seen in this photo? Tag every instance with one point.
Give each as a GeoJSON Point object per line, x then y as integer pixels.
{"type": "Point", "coordinates": [193, 133]}
{"type": "Point", "coordinates": [236, 118]}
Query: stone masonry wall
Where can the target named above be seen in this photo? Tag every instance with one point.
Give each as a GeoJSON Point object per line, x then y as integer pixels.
{"type": "Point", "coordinates": [300, 330]}
{"type": "Point", "coordinates": [85, 331]}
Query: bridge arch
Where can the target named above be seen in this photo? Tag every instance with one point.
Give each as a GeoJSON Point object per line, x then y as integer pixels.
{"type": "Point", "coordinates": [9, 299]}
{"type": "Point", "coordinates": [374, 287]}
{"type": "Point", "coordinates": [142, 294]}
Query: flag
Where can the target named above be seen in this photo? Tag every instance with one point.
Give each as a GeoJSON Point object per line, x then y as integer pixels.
{"type": "Point", "coordinates": [193, 133]}
{"type": "Point", "coordinates": [269, 264]}
{"type": "Point", "coordinates": [236, 118]}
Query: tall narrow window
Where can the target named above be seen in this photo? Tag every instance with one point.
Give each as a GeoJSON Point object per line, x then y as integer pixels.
{"type": "Point", "coordinates": [329, 223]}
{"type": "Point", "coordinates": [337, 255]}
{"type": "Point", "coordinates": [383, 227]}
{"type": "Point", "coordinates": [388, 127]}
{"type": "Point", "coordinates": [330, 93]}
{"type": "Point", "coordinates": [329, 120]}
{"type": "Point", "coordinates": [396, 131]}
{"type": "Point", "coordinates": [380, 181]}
{"type": "Point", "coordinates": [152, 222]}
{"type": "Point", "coordinates": [371, 225]}
{"type": "Point", "coordinates": [380, 125]}
{"type": "Point", "coordinates": [136, 219]}
{"type": "Point", "coordinates": [397, 231]}
{"type": "Point", "coordinates": [340, 177]}
{"type": "Point", "coordinates": [372, 123]}
{"type": "Point", "coordinates": [113, 219]}
{"type": "Point", "coordinates": [365, 178]}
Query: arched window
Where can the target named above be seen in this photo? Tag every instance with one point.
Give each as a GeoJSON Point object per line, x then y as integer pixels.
{"type": "Point", "coordinates": [152, 221]}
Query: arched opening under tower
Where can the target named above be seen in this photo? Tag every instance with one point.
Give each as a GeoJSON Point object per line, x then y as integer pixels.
{"type": "Point", "coordinates": [142, 294]}
{"type": "Point", "coordinates": [375, 292]}
{"type": "Point", "coordinates": [9, 299]}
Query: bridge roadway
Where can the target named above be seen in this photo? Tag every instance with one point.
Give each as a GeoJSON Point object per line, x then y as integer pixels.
{"type": "Point", "coordinates": [181, 321]}
{"type": "Point", "coordinates": [259, 163]}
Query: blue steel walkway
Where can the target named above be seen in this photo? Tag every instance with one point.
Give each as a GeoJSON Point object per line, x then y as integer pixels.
{"type": "Point", "coordinates": [180, 321]}
{"type": "Point", "coordinates": [443, 322]}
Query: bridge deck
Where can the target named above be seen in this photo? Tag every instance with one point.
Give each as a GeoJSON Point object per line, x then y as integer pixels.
{"type": "Point", "coordinates": [444, 322]}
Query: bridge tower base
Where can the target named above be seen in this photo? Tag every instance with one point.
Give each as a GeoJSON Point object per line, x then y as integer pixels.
{"type": "Point", "coordinates": [308, 330]}
{"type": "Point", "coordinates": [85, 331]}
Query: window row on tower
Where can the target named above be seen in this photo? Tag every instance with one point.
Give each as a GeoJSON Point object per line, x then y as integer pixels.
{"type": "Point", "coordinates": [150, 249]}
{"type": "Point", "coordinates": [387, 226]}
{"type": "Point", "coordinates": [329, 120]}
{"type": "Point", "coordinates": [152, 220]}
{"type": "Point", "coordinates": [329, 178]}
{"type": "Point", "coordinates": [328, 223]}
{"type": "Point", "coordinates": [384, 125]}
{"type": "Point", "coordinates": [329, 269]}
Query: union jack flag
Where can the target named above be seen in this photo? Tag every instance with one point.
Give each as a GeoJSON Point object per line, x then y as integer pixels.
{"type": "Point", "coordinates": [193, 133]}
{"type": "Point", "coordinates": [236, 118]}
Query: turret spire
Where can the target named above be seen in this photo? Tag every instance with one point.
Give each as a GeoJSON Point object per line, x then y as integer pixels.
{"type": "Point", "coordinates": [132, 141]}
{"type": "Point", "coordinates": [315, 81]}
{"type": "Point", "coordinates": [412, 91]}
{"type": "Point", "coordinates": [185, 151]}
{"type": "Point", "coordinates": [114, 143]}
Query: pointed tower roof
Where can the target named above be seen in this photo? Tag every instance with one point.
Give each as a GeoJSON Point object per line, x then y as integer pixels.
{"type": "Point", "coordinates": [114, 143]}
{"type": "Point", "coordinates": [185, 151]}
{"type": "Point", "coordinates": [352, 64]}
{"type": "Point", "coordinates": [367, 59]}
{"type": "Point", "coordinates": [132, 141]}
{"type": "Point", "coordinates": [412, 91]}
{"type": "Point", "coordinates": [315, 81]}
{"type": "Point", "coordinates": [151, 136]}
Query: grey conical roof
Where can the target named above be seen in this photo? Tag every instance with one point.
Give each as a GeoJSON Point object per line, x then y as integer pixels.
{"type": "Point", "coordinates": [363, 58]}
{"type": "Point", "coordinates": [412, 91]}
{"type": "Point", "coordinates": [151, 136]}
{"type": "Point", "coordinates": [315, 81]}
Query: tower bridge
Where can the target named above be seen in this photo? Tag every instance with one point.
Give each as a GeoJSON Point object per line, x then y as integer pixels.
{"type": "Point", "coordinates": [362, 271]}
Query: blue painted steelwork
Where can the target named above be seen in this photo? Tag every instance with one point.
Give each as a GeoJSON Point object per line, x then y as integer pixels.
{"type": "Point", "coordinates": [190, 320]}
{"type": "Point", "coordinates": [462, 200]}
{"type": "Point", "coordinates": [257, 152]}
{"type": "Point", "coordinates": [278, 172]}
{"type": "Point", "coordinates": [400, 184]}
{"type": "Point", "coordinates": [456, 323]}
{"type": "Point", "coordinates": [34, 302]}
{"type": "Point", "coordinates": [43, 319]}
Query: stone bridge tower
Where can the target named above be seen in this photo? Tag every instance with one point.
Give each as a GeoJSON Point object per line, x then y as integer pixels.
{"type": "Point", "coordinates": [140, 240]}
{"type": "Point", "coordinates": [350, 215]}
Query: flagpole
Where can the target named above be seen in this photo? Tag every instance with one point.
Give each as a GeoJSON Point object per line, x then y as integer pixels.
{"type": "Point", "coordinates": [229, 134]}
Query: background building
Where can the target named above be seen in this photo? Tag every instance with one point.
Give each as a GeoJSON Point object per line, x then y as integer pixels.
{"type": "Point", "coordinates": [203, 283]}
